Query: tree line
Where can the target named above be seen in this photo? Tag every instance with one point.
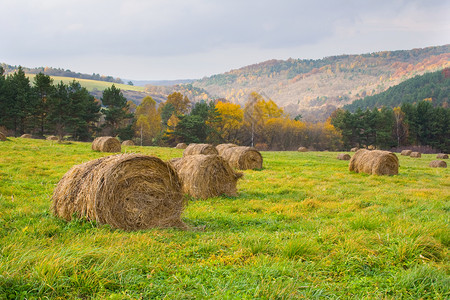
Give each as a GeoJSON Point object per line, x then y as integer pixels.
{"type": "Point", "coordinates": [43, 107]}
{"type": "Point", "coordinates": [69, 111]}
{"type": "Point", "coordinates": [417, 124]}
{"type": "Point", "coordinates": [62, 109]}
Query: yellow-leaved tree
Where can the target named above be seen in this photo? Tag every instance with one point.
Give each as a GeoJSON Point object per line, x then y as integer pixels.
{"type": "Point", "coordinates": [231, 120]}
{"type": "Point", "coordinates": [257, 112]}
{"type": "Point", "coordinates": [148, 121]}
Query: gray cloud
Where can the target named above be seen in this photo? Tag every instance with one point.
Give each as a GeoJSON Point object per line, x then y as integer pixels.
{"type": "Point", "coordinates": [152, 32]}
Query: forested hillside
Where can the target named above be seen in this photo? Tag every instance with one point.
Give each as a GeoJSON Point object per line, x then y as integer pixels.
{"type": "Point", "coordinates": [433, 87]}
{"type": "Point", "coordinates": [315, 88]}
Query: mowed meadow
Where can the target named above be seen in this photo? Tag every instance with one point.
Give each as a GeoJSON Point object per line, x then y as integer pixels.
{"type": "Point", "coordinates": [302, 227]}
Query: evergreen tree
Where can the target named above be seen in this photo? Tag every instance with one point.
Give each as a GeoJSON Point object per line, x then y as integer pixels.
{"type": "Point", "coordinates": [85, 113]}
{"type": "Point", "coordinates": [117, 116]}
{"type": "Point", "coordinates": [198, 126]}
{"type": "Point", "coordinates": [22, 103]}
{"type": "Point", "coordinates": [43, 88]}
{"type": "Point", "coordinates": [60, 110]}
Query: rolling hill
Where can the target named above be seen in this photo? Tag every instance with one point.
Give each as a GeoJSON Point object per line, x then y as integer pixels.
{"type": "Point", "coordinates": [315, 88]}
{"type": "Point", "coordinates": [433, 87]}
{"type": "Point", "coordinates": [312, 88]}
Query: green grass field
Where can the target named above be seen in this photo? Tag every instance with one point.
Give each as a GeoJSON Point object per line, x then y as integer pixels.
{"type": "Point", "coordinates": [90, 85]}
{"type": "Point", "coordinates": [303, 227]}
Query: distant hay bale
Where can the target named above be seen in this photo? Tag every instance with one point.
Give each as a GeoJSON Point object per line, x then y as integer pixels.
{"type": "Point", "coordinates": [106, 144]}
{"type": "Point", "coordinates": [343, 156]}
{"type": "Point", "coordinates": [442, 156]}
{"type": "Point", "coordinates": [2, 136]}
{"type": "Point", "coordinates": [415, 154]}
{"type": "Point", "coordinates": [371, 147]}
{"type": "Point", "coordinates": [354, 149]}
{"type": "Point", "coordinates": [302, 149]}
{"type": "Point", "coordinates": [181, 146]}
{"type": "Point", "coordinates": [243, 158]}
{"type": "Point", "coordinates": [406, 152]}
{"type": "Point", "coordinates": [222, 147]}
{"type": "Point", "coordinates": [200, 149]}
{"type": "Point", "coordinates": [128, 143]}
{"type": "Point", "coordinates": [126, 191]}
{"type": "Point", "coordinates": [206, 176]}
{"type": "Point", "coordinates": [52, 138]}
{"type": "Point", "coordinates": [26, 136]}
{"type": "Point", "coordinates": [438, 164]}
{"type": "Point", "coordinates": [374, 162]}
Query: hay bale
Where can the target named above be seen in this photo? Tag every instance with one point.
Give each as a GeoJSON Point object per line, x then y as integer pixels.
{"type": "Point", "coordinates": [200, 149]}
{"type": "Point", "coordinates": [26, 136]}
{"type": "Point", "coordinates": [127, 191]}
{"type": "Point", "coordinates": [374, 162]}
{"type": "Point", "coordinates": [106, 144]}
{"type": "Point", "coordinates": [354, 149]}
{"type": "Point", "coordinates": [438, 164]}
{"type": "Point", "coordinates": [222, 147]}
{"type": "Point", "coordinates": [442, 156]}
{"type": "Point", "coordinates": [127, 143]}
{"type": "Point", "coordinates": [181, 146]}
{"type": "Point", "coordinates": [52, 138]}
{"type": "Point", "coordinates": [406, 152]}
{"type": "Point", "coordinates": [302, 149]}
{"type": "Point", "coordinates": [415, 154]}
{"type": "Point", "coordinates": [243, 158]}
{"type": "Point", "coordinates": [206, 176]}
{"type": "Point", "coordinates": [2, 136]}
{"type": "Point", "coordinates": [343, 156]}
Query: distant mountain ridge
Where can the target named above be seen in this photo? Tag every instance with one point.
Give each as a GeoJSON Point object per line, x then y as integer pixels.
{"type": "Point", "coordinates": [315, 88]}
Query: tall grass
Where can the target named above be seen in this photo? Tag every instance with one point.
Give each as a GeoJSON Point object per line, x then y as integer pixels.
{"type": "Point", "coordinates": [303, 227]}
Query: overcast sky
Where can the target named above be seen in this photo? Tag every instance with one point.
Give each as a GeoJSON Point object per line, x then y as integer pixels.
{"type": "Point", "coordinates": [178, 39]}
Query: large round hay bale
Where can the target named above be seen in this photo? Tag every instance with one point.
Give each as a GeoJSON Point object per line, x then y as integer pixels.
{"type": "Point", "coordinates": [243, 158]}
{"type": "Point", "coordinates": [354, 149]}
{"type": "Point", "coordinates": [106, 144]}
{"type": "Point", "coordinates": [302, 149]}
{"type": "Point", "coordinates": [200, 149]}
{"type": "Point", "coordinates": [442, 156]}
{"type": "Point", "coordinates": [343, 156]}
{"type": "Point", "coordinates": [181, 146]}
{"type": "Point", "coordinates": [52, 138]}
{"type": "Point", "coordinates": [2, 136]}
{"type": "Point", "coordinates": [222, 147]}
{"type": "Point", "coordinates": [26, 136]}
{"type": "Point", "coordinates": [374, 162]}
{"type": "Point", "coordinates": [415, 154]}
{"type": "Point", "coordinates": [206, 176]}
{"type": "Point", "coordinates": [438, 164]}
{"type": "Point", "coordinates": [406, 152]}
{"type": "Point", "coordinates": [128, 143]}
{"type": "Point", "coordinates": [128, 191]}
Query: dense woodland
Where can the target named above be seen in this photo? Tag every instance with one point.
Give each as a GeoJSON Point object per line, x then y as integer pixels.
{"type": "Point", "coordinates": [386, 128]}
{"type": "Point", "coordinates": [433, 86]}
{"type": "Point", "coordinates": [69, 111]}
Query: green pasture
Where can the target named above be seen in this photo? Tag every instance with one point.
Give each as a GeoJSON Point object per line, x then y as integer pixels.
{"type": "Point", "coordinates": [91, 85]}
{"type": "Point", "coordinates": [303, 227]}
